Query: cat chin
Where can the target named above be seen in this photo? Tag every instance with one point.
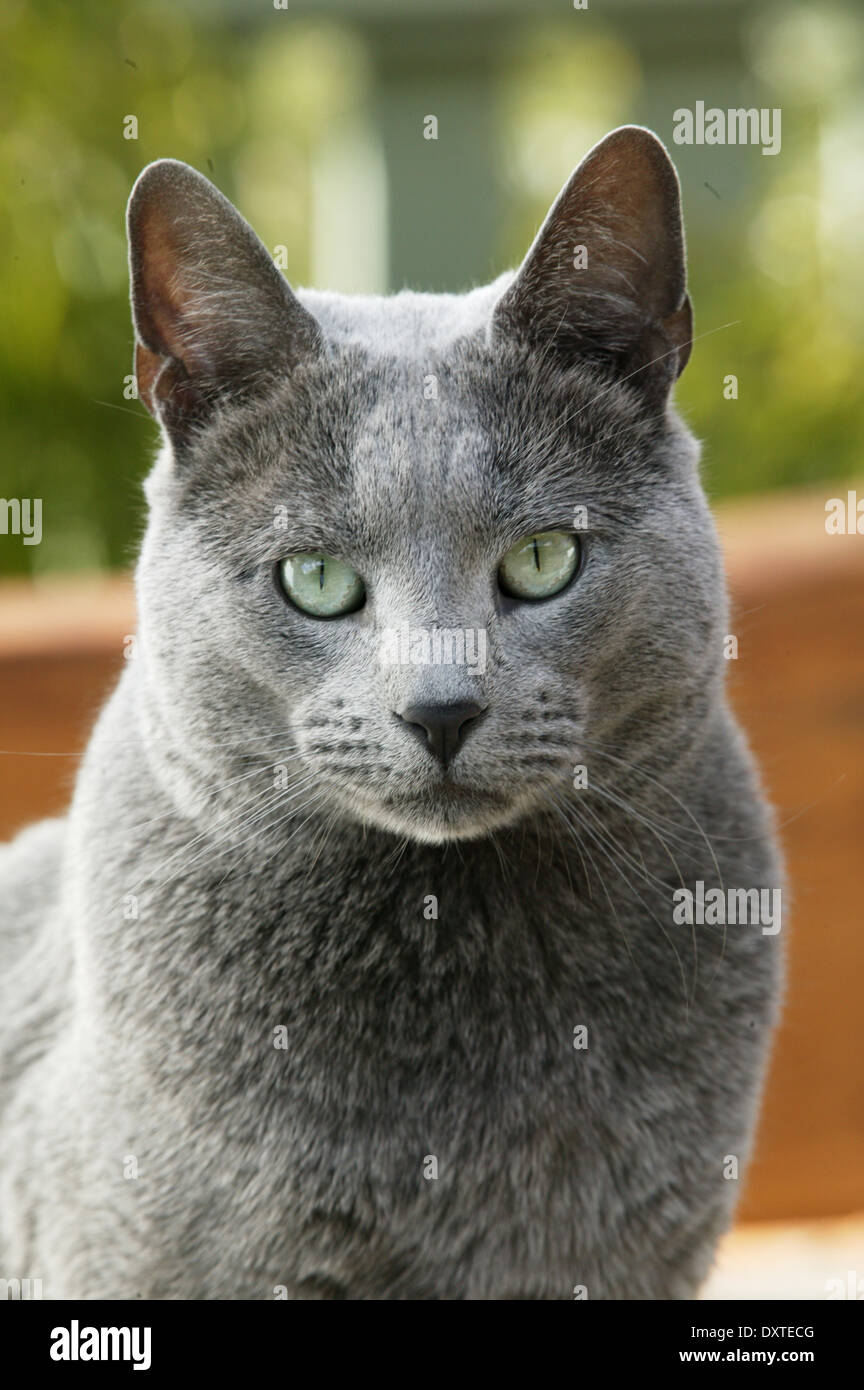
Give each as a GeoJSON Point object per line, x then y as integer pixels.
{"type": "Point", "coordinates": [433, 823]}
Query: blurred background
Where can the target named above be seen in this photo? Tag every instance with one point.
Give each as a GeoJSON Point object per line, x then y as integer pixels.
{"type": "Point", "coordinates": [313, 118]}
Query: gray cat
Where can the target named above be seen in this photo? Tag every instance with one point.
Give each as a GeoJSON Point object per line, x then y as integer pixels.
{"type": "Point", "coordinates": [359, 967]}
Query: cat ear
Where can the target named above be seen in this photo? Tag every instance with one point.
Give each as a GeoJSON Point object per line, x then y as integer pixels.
{"type": "Point", "coordinates": [605, 277]}
{"type": "Point", "coordinates": [213, 315]}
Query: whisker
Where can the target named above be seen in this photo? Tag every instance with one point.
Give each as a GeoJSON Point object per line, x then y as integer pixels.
{"type": "Point", "coordinates": [238, 823]}
{"type": "Point", "coordinates": [628, 810]}
{"type": "Point", "coordinates": [599, 751]}
{"type": "Point", "coordinates": [600, 879]}
{"type": "Point", "coordinates": [602, 843]}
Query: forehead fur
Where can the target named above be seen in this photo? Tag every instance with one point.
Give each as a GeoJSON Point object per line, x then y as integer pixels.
{"type": "Point", "coordinates": [489, 440]}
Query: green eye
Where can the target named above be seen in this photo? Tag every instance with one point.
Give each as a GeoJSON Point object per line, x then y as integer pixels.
{"type": "Point", "coordinates": [319, 585]}
{"type": "Point", "coordinates": [539, 566]}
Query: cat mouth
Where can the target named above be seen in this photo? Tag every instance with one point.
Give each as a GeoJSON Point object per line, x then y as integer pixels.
{"type": "Point", "coordinates": [431, 811]}
{"type": "Point", "coordinates": [445, 810]}
{"type": "Point", "coordinates": [443, 792]}
{"type": "Point", "coordinates": [429, 793]}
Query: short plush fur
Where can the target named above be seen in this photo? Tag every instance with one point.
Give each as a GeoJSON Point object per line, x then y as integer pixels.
{"type": "Point", "coordinates": [237, 1040]}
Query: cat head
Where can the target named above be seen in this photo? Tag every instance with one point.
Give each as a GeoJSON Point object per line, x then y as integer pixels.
{"type": "Point", "coordinates": [426, 551]}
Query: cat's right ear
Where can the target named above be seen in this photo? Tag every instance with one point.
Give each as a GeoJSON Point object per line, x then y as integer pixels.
{"type": "Point", "coordinates": [214, 317]}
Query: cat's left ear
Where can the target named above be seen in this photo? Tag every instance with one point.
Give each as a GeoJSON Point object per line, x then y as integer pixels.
{"type": "Point", "coordinates": [605, 278]}
{"type": "Point", "coordinates": [214, 317]}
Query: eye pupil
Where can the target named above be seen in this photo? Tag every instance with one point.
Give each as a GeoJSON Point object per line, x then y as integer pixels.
{"type": "Point", "coordinates": [536, 553]}
{"type": "Point", "coordinates": [321, 574]}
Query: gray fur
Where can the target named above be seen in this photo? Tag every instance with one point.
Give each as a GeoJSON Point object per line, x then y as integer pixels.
{"type": "Point", "coordinates": [151, 1036]}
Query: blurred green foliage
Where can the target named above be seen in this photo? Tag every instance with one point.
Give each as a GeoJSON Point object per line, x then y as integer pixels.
{"type": "Point", "coordinates": [247, 97]}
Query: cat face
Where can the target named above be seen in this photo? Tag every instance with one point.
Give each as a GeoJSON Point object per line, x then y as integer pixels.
{"type": "Point", "coordinates": [424, 552]}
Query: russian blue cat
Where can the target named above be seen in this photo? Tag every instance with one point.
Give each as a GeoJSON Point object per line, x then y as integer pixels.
{"type": "Point", "coordinates": [355, 969]}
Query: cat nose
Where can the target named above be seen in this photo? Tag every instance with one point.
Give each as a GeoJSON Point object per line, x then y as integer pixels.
{"type": "Point", "coordinates": [445, 725]}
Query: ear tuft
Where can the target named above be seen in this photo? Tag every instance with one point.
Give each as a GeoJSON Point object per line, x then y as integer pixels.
{"type": "Point", "coordinates": [213, 315]}
{"type": "Point", "coordinates": [605, 277]}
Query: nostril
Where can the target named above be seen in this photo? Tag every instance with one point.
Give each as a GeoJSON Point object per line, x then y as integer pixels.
{"type": "Point", "coordinates": [445, 726]}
